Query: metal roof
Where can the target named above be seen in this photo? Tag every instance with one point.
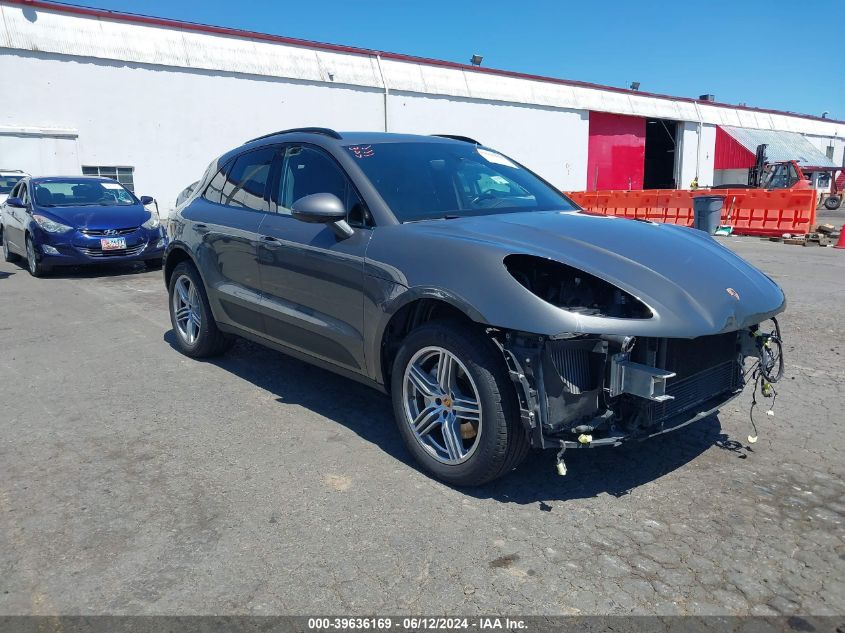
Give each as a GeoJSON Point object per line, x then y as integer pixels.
{"type": "Point", "coordinates": [782, 146]}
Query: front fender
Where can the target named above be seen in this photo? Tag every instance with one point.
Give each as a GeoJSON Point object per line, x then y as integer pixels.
{"type": "Point", "coordinates": [384, 298]}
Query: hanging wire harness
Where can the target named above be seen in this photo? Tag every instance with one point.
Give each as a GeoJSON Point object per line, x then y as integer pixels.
{"type": "Point", "coordinates": [766, 371]}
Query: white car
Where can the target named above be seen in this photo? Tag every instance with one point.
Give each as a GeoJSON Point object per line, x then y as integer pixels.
{"type": "Point", "coordinates": [8, 179]}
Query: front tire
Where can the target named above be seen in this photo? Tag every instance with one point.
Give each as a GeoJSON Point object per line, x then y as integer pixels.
{"type": "Point", "coordinates": [455, 404]}
{"type": "Point", "coordinates": [197, 334]}
{"type": "Point", "coordinates": [832, 203]}
{"type": "Point", "coordinates": [35, 267]}
{"type": "Point", "coordinates": [8, 256]}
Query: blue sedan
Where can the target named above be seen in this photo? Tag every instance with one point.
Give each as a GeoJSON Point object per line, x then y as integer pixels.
{"type": "Point", "coordinates": [78, 220]}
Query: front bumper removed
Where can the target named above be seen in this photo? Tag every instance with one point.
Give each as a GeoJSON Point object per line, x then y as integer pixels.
{"type": "Point", "coordinates": [592, 391]}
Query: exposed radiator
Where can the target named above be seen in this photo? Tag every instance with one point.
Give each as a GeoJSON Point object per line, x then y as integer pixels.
{"type": "Point", "coordinates": [573, 366]}
{"type": "Point", "coordinates": [721, 379]}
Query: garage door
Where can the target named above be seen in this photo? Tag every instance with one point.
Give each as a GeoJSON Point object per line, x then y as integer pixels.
{"type": "Point", "coordinates": [616, 152]}
{"type": "Point", "coordinates": [39, 153]}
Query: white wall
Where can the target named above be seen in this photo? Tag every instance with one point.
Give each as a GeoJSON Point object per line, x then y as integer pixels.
{"type": "Point", "coordinates": [823, 142]}
{"type": "Point", "coordinates": [186, 47]}
{"type": "Point", "coordinates": [168, 123]}
{"type": "Point", "coordinates": [549, 141]}
{"type": "Point", "coordinates": [730, 177]}
{"type": "Point", "coordinates": [39, 152]}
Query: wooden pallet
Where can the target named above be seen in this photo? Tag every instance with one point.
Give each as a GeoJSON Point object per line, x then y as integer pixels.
{"type": "Point", "coordinates": [809, 239]}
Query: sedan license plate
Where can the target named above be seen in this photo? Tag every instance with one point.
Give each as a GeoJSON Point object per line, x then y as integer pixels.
{"type": "Point", "coordinates": [113, 243]}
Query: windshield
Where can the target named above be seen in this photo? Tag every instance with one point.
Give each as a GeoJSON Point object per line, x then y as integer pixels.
{"type": "Point", "coordinates": [8, 182]}
{"type": "Point", "coordinates": [779, 176]}
{"type": "Point", "coordinates": [82, 193]}
{"type": "Point", "coordinates": [421, 181]}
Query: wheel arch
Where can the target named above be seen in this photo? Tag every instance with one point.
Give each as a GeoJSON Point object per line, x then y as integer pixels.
{"type": "Point", "coordinates": [175, 256]}
{"type": "Point", "coordinates": [412, 309]}
{"type": "Point", "coordinates": [28, 236]}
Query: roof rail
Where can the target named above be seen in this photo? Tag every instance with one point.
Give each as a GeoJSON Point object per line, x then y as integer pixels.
{"type": "Point", "coordinates": [458, 137]}
{"type": "Point", "coordinates": [308, 130]}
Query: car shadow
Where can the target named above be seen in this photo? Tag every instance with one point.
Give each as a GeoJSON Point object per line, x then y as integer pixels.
{"type": "Point", "coordinates": [368, 413]}
{"type": "Point", "coordinates": [5, 275]}
{"type": "Point", "coordinates": [592, 472]}
{"type": "Point", "coordinates": [98, 270]}
{"type": "Point", "coordinates": [359, 408]}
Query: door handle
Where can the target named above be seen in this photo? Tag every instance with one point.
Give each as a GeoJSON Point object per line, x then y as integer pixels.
{"type": "Point", "coordinates": [270, 241]}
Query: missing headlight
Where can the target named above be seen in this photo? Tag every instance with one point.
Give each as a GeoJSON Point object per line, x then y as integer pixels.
{"type": "Point", "coordinates": [574, 290]}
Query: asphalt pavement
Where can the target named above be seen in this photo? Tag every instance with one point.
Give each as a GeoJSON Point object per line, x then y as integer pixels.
{"type": "Point", "coordinates": [134, 480]}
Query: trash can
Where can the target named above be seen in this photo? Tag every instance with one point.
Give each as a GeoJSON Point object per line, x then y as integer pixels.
{"type": "Point", "coordinates": [708, 212]}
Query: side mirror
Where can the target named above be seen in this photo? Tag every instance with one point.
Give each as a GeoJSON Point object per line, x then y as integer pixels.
{"type": "Point", "coordinates": [323, 208]}
{"type": "Point", "coordinates": [145, 200]}
{"type": "Point", "coordinates": [16, 202]}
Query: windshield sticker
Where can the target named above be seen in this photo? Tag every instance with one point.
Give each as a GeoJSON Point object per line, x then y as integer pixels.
{"type": "Point", "coordinates": [494, 157]}
{"type": "Point", "coordinates": [362, 151]}
{"type": "Point", "coordinates": [111, 185]}
{"type": "Point", "coordinates": [500, 180]}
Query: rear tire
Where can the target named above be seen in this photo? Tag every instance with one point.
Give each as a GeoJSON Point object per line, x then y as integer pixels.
{"type": "Point", "coordinates": [35, 267]}
{"type": "Point", "coordinates": [832, 203]}
{"type": "Point", "coordinates": [500, 443]}
{"type": "Point", "coordinates": [8, 256]}
{"type": "Point", "coordinates": [196, 331]}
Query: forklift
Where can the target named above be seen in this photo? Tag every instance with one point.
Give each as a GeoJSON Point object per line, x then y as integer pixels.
{"type": "Point", "coordinates": [790, 175]}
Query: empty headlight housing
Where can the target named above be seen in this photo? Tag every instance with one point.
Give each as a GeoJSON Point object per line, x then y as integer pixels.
{"type": "Point", "coordinates": [574, 290]}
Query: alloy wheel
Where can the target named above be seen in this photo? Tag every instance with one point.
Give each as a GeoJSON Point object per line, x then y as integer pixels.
{"type": "Point", "coordinates": [186, 309]}
{"type": "Point", "coordinates": [442, 406]}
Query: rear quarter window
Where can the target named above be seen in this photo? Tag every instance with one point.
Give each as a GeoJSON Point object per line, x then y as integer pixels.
{"type": "Point", "coordinates": [214, 190]}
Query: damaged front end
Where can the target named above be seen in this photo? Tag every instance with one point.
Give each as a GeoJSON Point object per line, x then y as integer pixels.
{"type": "Point", "coordinates": [603, 389]}
{"type": "Point", "coordinates": [610, 389]}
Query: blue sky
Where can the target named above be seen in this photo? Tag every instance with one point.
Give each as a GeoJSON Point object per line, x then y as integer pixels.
{"type": "Point", "coordinates": [773, 54]}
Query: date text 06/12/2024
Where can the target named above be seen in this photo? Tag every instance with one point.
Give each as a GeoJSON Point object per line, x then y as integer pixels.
{"type": "Point", "coordinates": [414, 623]}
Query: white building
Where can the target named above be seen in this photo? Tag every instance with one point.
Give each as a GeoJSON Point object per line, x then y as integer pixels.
{"type": "Point", "coordinates": [153, 101]}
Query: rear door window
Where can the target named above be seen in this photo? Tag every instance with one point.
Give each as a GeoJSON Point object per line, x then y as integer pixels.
{"type": "Point", "coordinates": [246, 181]}
{"type": "Point", "coordinates": [242, 182]}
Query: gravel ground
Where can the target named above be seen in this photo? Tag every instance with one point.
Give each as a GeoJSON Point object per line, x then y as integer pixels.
{"type": "Point", "coordinates": [134, 480]}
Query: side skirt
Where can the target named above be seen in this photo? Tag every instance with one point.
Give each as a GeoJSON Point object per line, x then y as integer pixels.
{"type": "Point", "coordinates": [306, 358]}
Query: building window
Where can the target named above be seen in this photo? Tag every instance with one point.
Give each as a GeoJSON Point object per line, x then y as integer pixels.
{"type": "Point", "coordinates": [123, 175]}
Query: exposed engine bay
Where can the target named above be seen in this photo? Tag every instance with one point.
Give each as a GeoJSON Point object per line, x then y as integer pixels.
{"type": "Point", "coordinates": [594, 390]}
{"type": "Point", "coordinates": [574, 290]}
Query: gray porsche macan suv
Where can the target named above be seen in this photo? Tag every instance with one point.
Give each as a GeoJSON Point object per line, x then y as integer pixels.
{"type": "Point", "coordinates": [496, 314]}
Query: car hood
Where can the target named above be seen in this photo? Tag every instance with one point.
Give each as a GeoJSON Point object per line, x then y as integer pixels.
{"type": "Point", "coordinates": [693, 284]}
{"type": "Point", "coordinates": [99, 217]}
